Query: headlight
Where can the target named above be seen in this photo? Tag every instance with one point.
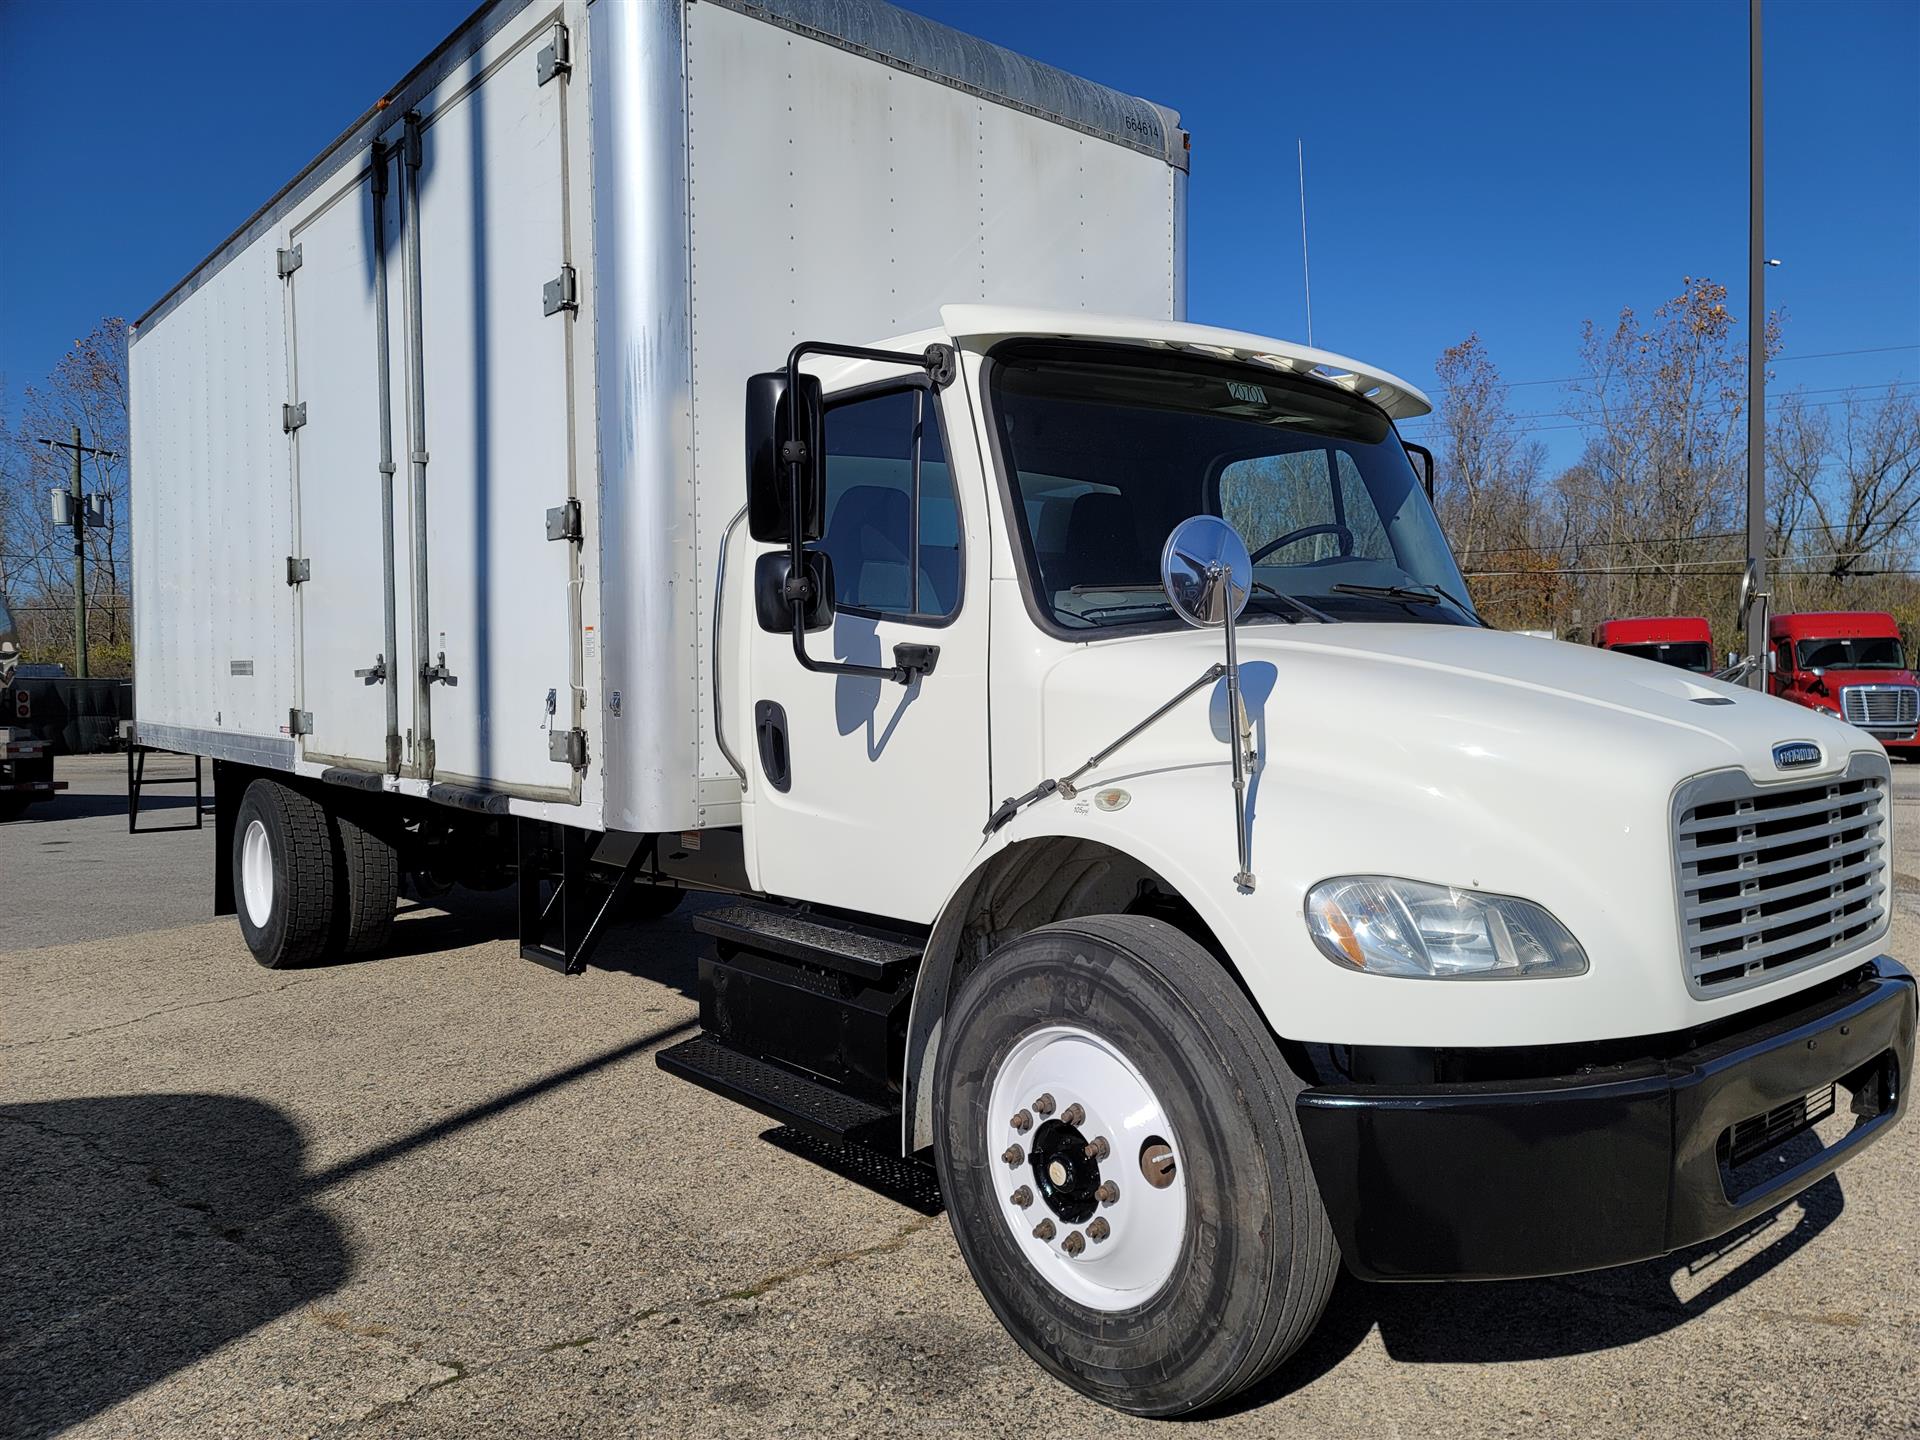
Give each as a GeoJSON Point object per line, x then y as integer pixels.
{"type": "Point", "coordinates": [1385, 926]}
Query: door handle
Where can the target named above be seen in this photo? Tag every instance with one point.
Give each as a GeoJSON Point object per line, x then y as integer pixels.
{"type": "Point", "coordinates": [770, 731]}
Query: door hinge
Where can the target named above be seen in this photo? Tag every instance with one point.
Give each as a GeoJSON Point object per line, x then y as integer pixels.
{"type": "Point", "coordinates": [561, 292]}
{"type": "Point", "coordinates": [563, 521]}
{"type": "Point", "coordinates": [288, 261]}
{"type": "Point", "coordinates": [568, 747]}
{"type": "Point", "coordinates": [298, 570]}
{"type": "Point", "coordinates": [299, 722]}
{"type": "Point", "coordinates": [556, 57]}
{"type": "Point", "coordinates": [292, 417]}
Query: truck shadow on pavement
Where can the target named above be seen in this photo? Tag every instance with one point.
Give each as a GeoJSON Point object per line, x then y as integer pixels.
{"type": "Point", "coordinates": [144, 1232]}
{"type": "Point", "coordinates": [1494, 1322]}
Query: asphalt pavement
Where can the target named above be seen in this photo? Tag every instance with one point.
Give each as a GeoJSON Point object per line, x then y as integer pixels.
{"type": "Point", "coordinates": [446, 1192]}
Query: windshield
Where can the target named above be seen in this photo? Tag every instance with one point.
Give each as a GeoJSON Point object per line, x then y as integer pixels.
{"type": "Point", "coordinates": [1688, 655]}
{"type": "Point", "coordinates": [1107, 448]}
{"type": "Point", "coordinates": [1871, 652]}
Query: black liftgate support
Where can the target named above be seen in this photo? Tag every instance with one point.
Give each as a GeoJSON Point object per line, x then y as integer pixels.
{"type": "Point", "coordinates": [137, 782]}
{"type": "Point", "coordinates": [559, 928]}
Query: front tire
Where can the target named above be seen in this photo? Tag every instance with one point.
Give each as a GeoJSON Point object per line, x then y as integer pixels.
{"type": "Point", "coordinates": [1126, 1026]}
{"type": "Point", "coordinates": [284, 875]}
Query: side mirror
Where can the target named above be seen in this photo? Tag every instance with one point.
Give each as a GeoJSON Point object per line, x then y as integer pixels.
{"type": "Point", "coordinates": [1819, 672]}
{"type": "Point", "coordinates": [772, 426]}
{"type": "Point", "coordinates": [1423, 462]}
{"type": "Point", "coordinates": [1205, 570]}
{"type": "Point", "coordinates": [772, 606]}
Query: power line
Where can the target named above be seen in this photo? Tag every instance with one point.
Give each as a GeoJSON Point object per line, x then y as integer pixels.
{"type": "Point", "coordinates": [1846, 391]}
{"type": "Point", "coordinates": [1584, 425]}
{"type": "Point", "coordinates": [1777, 360]}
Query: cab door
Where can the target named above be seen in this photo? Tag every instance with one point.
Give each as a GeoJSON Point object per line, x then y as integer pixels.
{"type": "Point", "coordinates": [865, 793]}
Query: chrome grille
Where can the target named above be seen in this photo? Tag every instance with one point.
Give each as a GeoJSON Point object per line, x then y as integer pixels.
{"type": "Point", "coordinates": [1774, 878]}
{"type": "Point", "coordinates": [1891, 707]}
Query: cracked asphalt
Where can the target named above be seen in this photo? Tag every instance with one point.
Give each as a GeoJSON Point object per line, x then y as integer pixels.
{"type": "Point", "coordinates": [446, 1193]}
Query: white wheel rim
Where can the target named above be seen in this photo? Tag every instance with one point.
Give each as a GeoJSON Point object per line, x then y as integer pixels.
{"type": "Point", "coordinates": [256, 874]}
{"type": "Point", "coordinates": [1145, 1224]}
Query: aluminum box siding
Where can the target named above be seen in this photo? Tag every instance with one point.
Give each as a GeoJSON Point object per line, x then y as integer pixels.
{"type": "Point", "coordinates": [498, 388]}
{"type": "Point", "coordinates": [341, 609]}
{"type": "Point", "coordinates": [649, 596]}
{"type": "Point", "coordinates": [833, 197]}
{"type": "Point", "coordinates": [212, 508]}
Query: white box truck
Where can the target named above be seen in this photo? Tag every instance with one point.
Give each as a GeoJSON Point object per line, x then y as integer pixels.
{"type": "Point", "coordinates": [756, 446]}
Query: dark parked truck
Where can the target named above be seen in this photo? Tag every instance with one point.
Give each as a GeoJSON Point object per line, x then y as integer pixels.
{"type": "Point", "coordinates": [1681, 640]}
{"type": "Point", "coordinates": [1849, 663]}
{"type": "Point", "coordinates": [760, 448]}
{"type": "Point", "coordinates": [26, 763]}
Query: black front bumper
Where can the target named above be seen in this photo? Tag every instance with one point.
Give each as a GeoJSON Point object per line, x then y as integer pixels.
{"type": "Point", "coordinates": [1491, 1180]}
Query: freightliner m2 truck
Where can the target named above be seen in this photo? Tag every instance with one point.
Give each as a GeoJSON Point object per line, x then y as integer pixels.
{"type": "Point", "coordinates": [759, 449]}
{"type": "Point", "coordinates": [1849, 663]}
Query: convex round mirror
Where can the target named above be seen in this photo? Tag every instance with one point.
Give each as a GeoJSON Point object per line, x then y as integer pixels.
{"type": "Point", "coordinates": [1746, 591]}
{"type": "Point", "coordinates": [1205, 570]}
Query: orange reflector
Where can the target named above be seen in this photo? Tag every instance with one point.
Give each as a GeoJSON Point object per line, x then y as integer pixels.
{"type": "Point", "coordinates": [1342, 928]}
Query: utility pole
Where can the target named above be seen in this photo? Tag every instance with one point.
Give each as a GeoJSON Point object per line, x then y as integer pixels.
{"type": "Point", "coordinates": [75, 507]}
{"type": "Point", "coordinates": [1756, 617]}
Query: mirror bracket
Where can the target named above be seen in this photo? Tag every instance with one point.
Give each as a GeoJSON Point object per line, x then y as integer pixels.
{"type": "Point", "coordinates": [910, 661]}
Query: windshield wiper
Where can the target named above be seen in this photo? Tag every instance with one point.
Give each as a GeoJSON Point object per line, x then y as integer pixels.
{"type": "Point", "coordinates": [1414, 595]}
{"type": "Point", "coordinates": [1262, 588]}
{"type": "Point", "coordinates": [1391, 592]}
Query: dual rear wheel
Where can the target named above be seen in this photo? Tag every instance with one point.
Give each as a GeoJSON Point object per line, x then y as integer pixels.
{"type": "Point", "coordinates": [309, 885]}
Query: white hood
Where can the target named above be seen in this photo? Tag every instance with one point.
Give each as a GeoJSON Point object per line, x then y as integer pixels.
{"type": "Point", "coordinates": [1455, 755]}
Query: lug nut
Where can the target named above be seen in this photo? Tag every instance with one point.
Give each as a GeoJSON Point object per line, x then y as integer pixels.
{"type": "Point", "coordinates": [1074, 1115]}
{"type": "Point", "coordinates": [1022, 1197]}
{"type": "Point", "coordinates": [1044, 1230]}
{"type": "Point", "coordinates": [1013, 1155]}
{"type": "Point", "coordinates": [1074, 1243]}
{"type": "Point", "coordinates": [1097, 1148]}
{"type": "Point", "coordinates": [1022, 1122]}
{"type": "Point", "coordinates": [1099, 1229]}
{"type": "Point", "coordinates": [1044, 1105]}
{"type": "Point", "coordinates": [1106, 1195]}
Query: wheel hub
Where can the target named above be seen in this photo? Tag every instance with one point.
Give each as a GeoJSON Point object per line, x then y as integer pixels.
{"type": "Point", "coordinates": [1063, 1102]}
{"type": "Point", "coordinates": [1066, 1176]}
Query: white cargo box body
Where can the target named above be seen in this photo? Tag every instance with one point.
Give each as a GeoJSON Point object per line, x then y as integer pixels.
{"type": "Point", "coordinates": [621, 210]}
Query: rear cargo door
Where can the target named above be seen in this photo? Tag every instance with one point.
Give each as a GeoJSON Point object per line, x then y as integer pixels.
{"type": "Point", "coordinates": [338, 566]}
{"type": "Point", "coordinates": [498, 298]}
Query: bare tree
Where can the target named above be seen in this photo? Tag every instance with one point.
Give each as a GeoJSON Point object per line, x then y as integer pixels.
{"type": "Point", "coordinates": [1486, 487]}
{"type": "Point", "coordinates": [1852, 482]}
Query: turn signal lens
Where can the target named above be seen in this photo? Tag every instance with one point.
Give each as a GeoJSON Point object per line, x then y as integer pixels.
{"type": "Point", "coordinates": [1387, 926]}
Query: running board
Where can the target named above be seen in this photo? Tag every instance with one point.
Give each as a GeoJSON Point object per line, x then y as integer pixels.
{"type": "Point", "coordinates": [822, 1111]}
{"type": "Point", "coordinates": [861, 951]}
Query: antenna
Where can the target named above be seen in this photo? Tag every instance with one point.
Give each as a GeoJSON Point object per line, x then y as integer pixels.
{"type": "Point", "coordinates": [1306, 270]}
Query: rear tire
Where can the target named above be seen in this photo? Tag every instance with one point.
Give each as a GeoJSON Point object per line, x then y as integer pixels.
{"type": "Point", "coordinates": [370, 868]}
{"type": "Point", "coordinates": [12, 807]}
{"type": "Point", "coordinates": [1227, 1278]}
{"type": "Point", "coordinates": [284, 875]}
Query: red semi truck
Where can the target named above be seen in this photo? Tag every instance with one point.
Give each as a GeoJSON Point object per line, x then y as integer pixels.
{"type": "Point", "coordinates": [1850, 663]}
{"type": "Point", "coordinates": [1680, 640]}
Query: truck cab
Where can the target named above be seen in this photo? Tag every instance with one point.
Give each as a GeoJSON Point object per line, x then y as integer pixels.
{"type": "Point", "coordinates": [1849, 663]}
{"type": "Point", "coordinates": [1680, 640]}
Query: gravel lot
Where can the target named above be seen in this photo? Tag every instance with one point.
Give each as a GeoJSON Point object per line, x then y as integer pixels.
{"type": "Point", "coordinates": [447, 1193]}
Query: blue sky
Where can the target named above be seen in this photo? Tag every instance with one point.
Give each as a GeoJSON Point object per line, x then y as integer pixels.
{"type": "Point", "coordinates": [1510, 169]}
